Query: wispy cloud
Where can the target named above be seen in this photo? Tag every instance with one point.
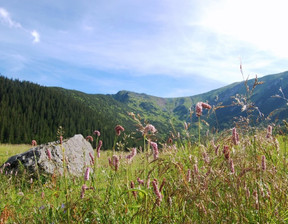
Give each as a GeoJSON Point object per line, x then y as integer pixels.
{"type": "Point", "coordinates": [36, 36]}
{"type": "Point", "coordinates": [7, 20]}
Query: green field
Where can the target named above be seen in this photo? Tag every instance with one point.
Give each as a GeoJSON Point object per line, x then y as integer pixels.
{"type": "Point", "coordinates": [193, 183]}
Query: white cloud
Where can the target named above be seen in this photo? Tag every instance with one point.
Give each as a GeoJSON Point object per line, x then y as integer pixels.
{"type": "Point", "coordinates": [36, 36]}
{"type": "Point", "coordinates": [6, 19]}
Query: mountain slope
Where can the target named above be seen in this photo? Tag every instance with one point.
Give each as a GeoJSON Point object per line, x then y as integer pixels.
{"type": "Point", "coordinates": [29, 111]}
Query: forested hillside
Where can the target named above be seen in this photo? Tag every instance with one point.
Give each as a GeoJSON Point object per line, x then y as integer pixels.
{"type": "Point", "coordinates": [29, 111]}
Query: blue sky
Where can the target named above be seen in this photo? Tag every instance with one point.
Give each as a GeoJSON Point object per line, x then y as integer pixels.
{"type": "Point", "coordinates": [164, 48]}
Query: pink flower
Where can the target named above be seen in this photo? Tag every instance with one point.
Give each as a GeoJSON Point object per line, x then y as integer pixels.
{"type": "Point", "coordinates": [92, 158]}
{"type": "Point", "coordinates": [131, 156]}
{"type": "Point", "coordinates": [232, 166]}
{"type": "Point", "coordinates": [61, 139]}
{"type": "Point", "coordinates": [84, 188]}
{"type": "Point", "coordinates": [200, 106]}
{"type": "Point", "coordinates": [235, 136]}
{"type": "Point", "coordinates": [96, 132]}
{"type": "Point", "coordinates": [98, 148]}
{"type": "Point", "coordinates": [89, 138]}
{"type": "Point", "coordinates": [114, 162]}
{"type": "Point", "coordinates": [149, 128]}
{"type": "Point", "coordinates": [118, 129]}
{"type": "Point", "coordinates": [155, 149]}
{"type": "Point", "coordinates": [86, 177]}
{"type": "Point", "coordinates": [199, 109]}
{"type": "Point", "coordinates": [34, 143]}
{"type": "Point", "coordinates": [263, 163]}
{"type": "Point", "coordinates": [140, 181]}
{"type": "Point", "coordinates": [48, 154]}
{"type": "Point", "coordinates": [157, 192]}
{"type": "Point", "coordinates": [269, 131]}
{"type": "Point", "coordinates": [206, 106]}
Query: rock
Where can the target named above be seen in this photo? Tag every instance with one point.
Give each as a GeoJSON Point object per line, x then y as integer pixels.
{"type": "Point", "coordinates": [76, 151]}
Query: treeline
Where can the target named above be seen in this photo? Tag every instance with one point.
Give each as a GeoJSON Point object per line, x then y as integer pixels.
{"type": "Point", "coordinates": [30, 111]}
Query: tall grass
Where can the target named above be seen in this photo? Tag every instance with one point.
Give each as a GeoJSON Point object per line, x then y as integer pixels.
{"type": "Point", "coordinates": [197, 184]}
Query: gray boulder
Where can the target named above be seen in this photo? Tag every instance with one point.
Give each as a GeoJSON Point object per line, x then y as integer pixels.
{"type": "Point", "coordinates": [75, 150]}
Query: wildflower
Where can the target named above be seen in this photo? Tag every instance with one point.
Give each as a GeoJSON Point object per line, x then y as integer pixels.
{"type": "Point", "coordinates": [98, 148]}
{"type": "Point", "coordinates": [149, 128]}
{"type": "Point", "coordinates": [48, 154]}
{"type": "Point", "coordinates": [114, 162]}
{"type": "Point", "coordinates": [61, 139]}
{"type": "Point", "coordinates": [263, 162]}
{"type": "Point", "coordinates": [132, 185]}
{"type": "Point", "coordinates": [118, 129]}
{"type": "Point", "coordinates": [148, 183]}
{"type": "Point", "coordinates": [89, 138]}
{"type": "Point", "coordinates": [84, 188]}
{"type": "Point", "coordinates": [235, 136]}
{"type": "Point", "coordinates": [34, 143]}
{"type": "Point", "coordinates": [42, 195]}
{"type": "Point", "coordinates": [97, 133]}
{"type": "Point", "coordinates": [200, 106]}
{"type": "Point", "coordinates": [269, 131]}
{"type": "Point", "coordinates": [86, 177]}
{"type": "Point", "coordinates": [140, 181]}
{"type": "Point", "coordinates": [155, 149]}
{"type": "Point", "coordinates": [157, 192]}
{"type": "Point", "coordinates": [226, 151]}
{"type": "Point", "coordinates": [131, 156]}
{"type": "Point", "coordinates": [92, 158]}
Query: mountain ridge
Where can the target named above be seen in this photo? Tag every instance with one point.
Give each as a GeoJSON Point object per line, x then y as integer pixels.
{"type": "Point", "coordinates": [105, 111]}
